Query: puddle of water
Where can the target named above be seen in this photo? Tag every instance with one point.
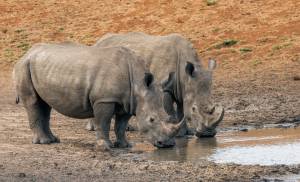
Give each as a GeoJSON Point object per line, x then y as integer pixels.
{"type": "Point", "coordinates": [267, 146]}
{"type": "Point", "coordinates": [285, 178]}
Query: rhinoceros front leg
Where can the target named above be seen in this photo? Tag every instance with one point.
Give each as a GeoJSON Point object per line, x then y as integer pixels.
{"type": "Point", "coordinates": [175, 115]}
{"type": "Point", "coordinates": [120, 128]}
{"type": "Point", "coordinates": [103, 113]}
{"type": "Point", "coordinates": [168, 103]}
{"type": "Point", "coordinates": [39, 115]}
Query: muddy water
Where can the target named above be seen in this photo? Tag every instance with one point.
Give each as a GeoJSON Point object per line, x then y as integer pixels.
{"type": "Point", "coordinates": [268, 146]}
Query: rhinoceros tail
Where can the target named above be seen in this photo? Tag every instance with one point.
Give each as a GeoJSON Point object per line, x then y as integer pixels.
{"type": "Point", "coordinates": [14, 82]}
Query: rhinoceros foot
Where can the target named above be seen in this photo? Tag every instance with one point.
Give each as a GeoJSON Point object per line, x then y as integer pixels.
{"type": "Point", "coordinates": [90, 126]}
{"type": "Point", "coordinates": [45, 139]}
{"type": "Point", "coordinates": [122, 144]}
{"type": "Point", "coordinates": [103, 145]}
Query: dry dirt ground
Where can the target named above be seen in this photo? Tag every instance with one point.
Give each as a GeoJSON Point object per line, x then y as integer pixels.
{"type": "Point", "coordinates": [257, 81]}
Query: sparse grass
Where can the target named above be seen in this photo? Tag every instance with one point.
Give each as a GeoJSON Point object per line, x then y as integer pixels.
{"type": "Point", "coordinates": [263, 40]}
{"type": "Point", "coordinates": [215, 30]}
{"type": "Point", "coordinates": [61, 29]}
{"type": "Point", "coordinates": [211, 2]}
{"type": "Point", "coordinates": [278, 47]}
{"type": "Point", "coordinates": [8, 53]}
{"type": "Point", "coordinates": [245, 49]}
{"type": "Point", "coordinates": [19, 30]}
{"type": "Point", "coordinates": [233, 51]}
{"type": "Point", "coordinates": [225, 43]}
{"type": "Point", "coordinates": [24, 46]}
{"type": "Point", "coordinates": [256, 62]}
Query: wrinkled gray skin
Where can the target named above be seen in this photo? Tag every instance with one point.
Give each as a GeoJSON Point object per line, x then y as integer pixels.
{"type": "Point", "coordinates": [188, 85]}
{"type": "Point", "coordinates": [84, 82]}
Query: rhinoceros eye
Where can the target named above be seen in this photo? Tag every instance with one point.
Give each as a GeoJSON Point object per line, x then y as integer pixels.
{"type": "Point", "coordinates": [151, 120]}
{"type": "Point", "coordinates": [194, 109]}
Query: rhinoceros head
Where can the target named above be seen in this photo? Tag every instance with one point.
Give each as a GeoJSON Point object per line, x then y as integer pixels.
{"type": "Point", "coordinates": [152, 120]}
{"type": "Point", "coordinates": [198, 107]}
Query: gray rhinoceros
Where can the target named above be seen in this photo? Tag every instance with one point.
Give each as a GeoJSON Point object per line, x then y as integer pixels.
{"type": "Point", "coordinates": [84, 82]}
{"type": "Point", "coordinates": [188, 84]}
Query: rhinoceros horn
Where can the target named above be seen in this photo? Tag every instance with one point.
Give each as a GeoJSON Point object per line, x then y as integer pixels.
{"type": "Point", "coordinates": [172, 129]}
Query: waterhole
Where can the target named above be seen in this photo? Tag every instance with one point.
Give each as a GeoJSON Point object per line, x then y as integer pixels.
{"type": "Point", "coordinates": [269, 146]}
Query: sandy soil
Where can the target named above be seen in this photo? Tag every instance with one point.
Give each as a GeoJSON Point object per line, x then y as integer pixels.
{"type": "Point", "coordinates": [257, 81]}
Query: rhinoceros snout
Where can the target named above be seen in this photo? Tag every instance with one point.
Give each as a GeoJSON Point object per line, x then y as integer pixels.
{"type": "Point", "coordinates": [164, 144]}
{"type": "Point", "coordinates": [208, 128]}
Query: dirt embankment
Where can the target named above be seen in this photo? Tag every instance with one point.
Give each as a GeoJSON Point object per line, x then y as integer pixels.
{"type": "Point", "coordinates": [256, 44]}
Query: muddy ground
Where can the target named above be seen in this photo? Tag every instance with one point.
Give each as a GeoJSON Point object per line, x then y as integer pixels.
{"type": "Point", "coordinates": [257, 81]}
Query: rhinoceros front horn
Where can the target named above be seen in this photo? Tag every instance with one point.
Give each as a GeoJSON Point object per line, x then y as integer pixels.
{"type": "Point", "coordinates": [172, 129]}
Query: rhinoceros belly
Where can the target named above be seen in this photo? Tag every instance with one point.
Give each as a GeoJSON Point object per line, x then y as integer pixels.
{"type": "Point", "coordinates": [63, 86]}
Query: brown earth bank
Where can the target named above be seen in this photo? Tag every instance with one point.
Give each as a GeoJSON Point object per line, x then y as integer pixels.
{"type": "Point", "coordinates": [256, 45]}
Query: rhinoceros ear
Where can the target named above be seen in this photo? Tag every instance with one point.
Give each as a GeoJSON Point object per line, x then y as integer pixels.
{"type": "Point", "coordinates": [148, 79]}
{"type": "Point", "coordinates": [190, 69]}
{"type": "Point", "coordinates": [212, 64]}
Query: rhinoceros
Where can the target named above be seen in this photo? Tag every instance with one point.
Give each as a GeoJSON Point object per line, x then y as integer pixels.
{"type": "Point", "coordinates": [188, 84]}
{"type": "Point", "coordinates": [83, 82]}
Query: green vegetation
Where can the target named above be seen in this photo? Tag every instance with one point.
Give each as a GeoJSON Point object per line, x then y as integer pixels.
{"type": "Point", "coordinates": [8, 53]}
{"type": "Point", "coordinates": [225, 43]}
{"type": "Point", "coordinates": [211, 2]}
{"type": "Point", "coordinates": [278, 47]}
{"type": "Point", "coordinates": [24, 46]}
{"type": "Point", "coordinates": [256, 62]}
{"type": "Point", "coordinates": [215, 30]}
{"type": "Point", "coordinates": [245, 49]}
{"type": "Point", "coordinates": [19, 30]}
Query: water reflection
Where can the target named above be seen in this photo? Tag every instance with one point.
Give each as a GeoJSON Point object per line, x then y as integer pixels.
{"type": "Point", "coordinates": [186, 150]}
{"type": "Point", "coordinates": [265, 146]}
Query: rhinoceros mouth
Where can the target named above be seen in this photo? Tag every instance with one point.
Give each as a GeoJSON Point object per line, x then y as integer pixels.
{"type": "Point", "coordinates": [208, 128]}
{"type": "Point", "coordinates": [164, 144]}
{"type": "Point", "coordinates": [206, 133]}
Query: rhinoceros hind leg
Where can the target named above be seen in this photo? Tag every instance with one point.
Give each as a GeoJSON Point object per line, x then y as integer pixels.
{"type": "Point", "coordinates": [103, 113]}
{"type": "Point", "coordinates": [120, 128]}
{"type": "Point", "coordinates": [39, 116]}
{"type": "Point", "coordinates": [90, 125]}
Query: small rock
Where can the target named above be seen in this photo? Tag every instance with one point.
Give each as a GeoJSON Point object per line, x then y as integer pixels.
{"type": "Point", "coordinates": [22, 175]}
{"type": "Point", "coordinates": [93, 156]}
{"type": "Point", "coordinates": [95, 163]}
{"type": "Point", "coordinates": [146, 167]}
{"type": "Point", "coordinates": [4, 31]}
{"type": "Point", "coordinates": [296, 77]}
{"type": "Point", "coordinates": [179, 20]}
{"type": "Point", "coordinates": [244, 129]}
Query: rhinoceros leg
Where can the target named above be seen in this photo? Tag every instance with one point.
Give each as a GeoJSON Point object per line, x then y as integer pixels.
{"type": "Point", "coordinates": [39, 115]}
{"type": "Point", "coordinates": [120, 128]}
{"type": "Point", "coordinates": [184, 129]}
{"type": "Point", "coordinates": [168, 103]}
{"type": "Point", "coordinates": [103, 113]}
{"type": "Point", "coordinates": [90, 125]}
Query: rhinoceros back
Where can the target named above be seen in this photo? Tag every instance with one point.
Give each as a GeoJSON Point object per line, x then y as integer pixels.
{"type": "Point", "coordinates": [161, 53]}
